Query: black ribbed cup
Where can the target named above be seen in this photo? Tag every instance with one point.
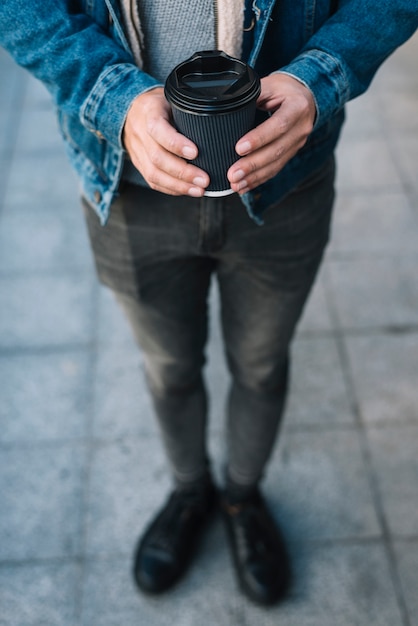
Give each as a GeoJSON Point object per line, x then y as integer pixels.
{"type": "Point", "coordinates": [213, 98]}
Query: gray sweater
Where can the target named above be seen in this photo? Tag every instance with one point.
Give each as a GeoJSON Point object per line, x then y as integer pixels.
{"type": "Point", "coordinates": [173, 31]}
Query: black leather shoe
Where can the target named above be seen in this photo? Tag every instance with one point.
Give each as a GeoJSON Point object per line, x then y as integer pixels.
{"type": "Point", "coordinates": [258, 551]}
{"type": "Point", "coordinates": [169, 543]}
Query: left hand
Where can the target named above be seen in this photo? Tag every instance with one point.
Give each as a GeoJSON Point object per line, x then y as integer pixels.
{"type": "Point", "coordinates": [266, 149]}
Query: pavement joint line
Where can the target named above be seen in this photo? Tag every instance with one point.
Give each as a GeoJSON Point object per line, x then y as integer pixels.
{"type": "Point", "coordinates": [83, 558]}
{"type": "Point", "coordinates": [21, 350]}
{"type": "Point", "coordinates": [387, 539]}
{"type": "Point", "coordinates": [90, 447]}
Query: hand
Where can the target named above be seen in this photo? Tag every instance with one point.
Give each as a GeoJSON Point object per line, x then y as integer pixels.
{"type": "Point", "coordinates": [158, 151]}
{"type": "Point", "coordinates": [266, 149]}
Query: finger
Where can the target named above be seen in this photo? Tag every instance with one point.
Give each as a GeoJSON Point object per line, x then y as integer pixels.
{"type": "Point", "coordinates": [255, 169]}
{"type": "Point", "coordinates": [165, 172]}
{"type": "Point", "coordinates": [173, 187]}
{"type": "Point", "coordinates": [276, 126]}
{"type": "Point", "coordinates": [160, 160]}
{"type": "Point", "coordinates": [164, 133]}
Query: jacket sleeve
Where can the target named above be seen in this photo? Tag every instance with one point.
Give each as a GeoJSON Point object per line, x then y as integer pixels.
{"type": "Point", "coordinates": [88, 74]}
{"type": "Point", "coordinates": [341, 58]}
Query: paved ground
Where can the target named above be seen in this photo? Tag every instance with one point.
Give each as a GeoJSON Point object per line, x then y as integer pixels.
{"type": "Point", "coordinates": [81, 465]}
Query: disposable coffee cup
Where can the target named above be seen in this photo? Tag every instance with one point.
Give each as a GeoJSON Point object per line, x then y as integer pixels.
{"type": "Point", "coordinates": [213, 99]}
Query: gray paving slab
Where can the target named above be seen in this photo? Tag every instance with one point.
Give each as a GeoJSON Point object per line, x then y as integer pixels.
{"type": "Point", "coordinates": [367, 164]}
{"type": "Point", "coordinates": [42, 310]}
{"type": "Point", "coordinates": [316, 317]}
{"type": "Point", "coordinates": [406, 152]}
{"type": "Point", "coordinates": [32, 240]}
{"type": "Point", "coordinates": [312, 402]}
{"type": "Point", "coordinates": [395, 459]}
{"type": "Point", "coordinates": [319, 488]}
{"type": "Point", "coordinates": [112, 328]}
{"type": "Point", "coordinates": [38, 134]}
{"type": "Point", "coordinates": [42, 490]}
{"type": "Point", "coordinates": [362, 118]}
{"type": "Point", "coordinates": [45, 397]}
{"type": "Point", "coordinates": [407, 563]}
{"type": "Point", "coordinates": [384, 369]}
{"type": "Point", "coordinates": [122, 403]}
{"type": "Point", "coordinates": [41, 184]}
{"type": "Point", "coordinates": [372, 293]}
{"type": "Point", "coordinates": [383, 223]}
{"type": "Point", "coordinates": [39, 594]}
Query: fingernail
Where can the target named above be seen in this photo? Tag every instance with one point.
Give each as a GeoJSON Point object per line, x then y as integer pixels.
{"type": "Point", "coordinates": [241, 185]}
{"type": "Point", "coordinates": [244, 147]}
{"type": "Point", "coordinates": [189, 153]}
{"type": "Point", "coordinates": [237, 176]}
{"type": "Point", "coordinates": [199, 181]}
{"type": "Point", "coordinates": [195, 192]}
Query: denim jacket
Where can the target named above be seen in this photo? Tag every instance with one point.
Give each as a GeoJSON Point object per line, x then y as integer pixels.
{"type": "Point", "coordinates": [79, 50]}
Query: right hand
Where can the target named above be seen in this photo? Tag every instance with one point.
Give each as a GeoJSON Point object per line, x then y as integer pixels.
{"type": "Point", "coordinates": [158, 151]}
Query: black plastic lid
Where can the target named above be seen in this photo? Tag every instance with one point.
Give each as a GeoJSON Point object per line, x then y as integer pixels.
{"type": "Point", "coordinates": [211, 81]}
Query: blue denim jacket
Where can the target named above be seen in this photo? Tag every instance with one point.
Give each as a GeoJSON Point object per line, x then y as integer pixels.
{"type": "Point", "coordinates": [78, 49]}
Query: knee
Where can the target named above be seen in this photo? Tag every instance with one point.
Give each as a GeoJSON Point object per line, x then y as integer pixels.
{"type": "Point", "coordinates": [263, 377]}
{"type": "Point", "coordinates": [167, 377]}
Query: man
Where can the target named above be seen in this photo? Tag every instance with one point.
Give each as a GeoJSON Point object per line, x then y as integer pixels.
{"type": "Point", "coordinates": [158, 240]}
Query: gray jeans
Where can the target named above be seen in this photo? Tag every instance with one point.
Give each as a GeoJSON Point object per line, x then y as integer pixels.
{"type": "Point", "coordinates": [158, 253]}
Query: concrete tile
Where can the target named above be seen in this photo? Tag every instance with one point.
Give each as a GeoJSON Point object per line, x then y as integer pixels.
{"type": "Point", "coordinates": [366, 164]}
{"type": "Point", "coordinates": [112, 325]}
{"type": "Point", "coordinates": [38, 241]}
{"type": "Point", "coordinates": [44, 397]}
{"type": "Point", "coordinates": [128, 483]}
{"type": "Point", "coordinates": [45, 310]}
{"type": "Point", "coordinates": [361, 117]}
{"type": "Point", "coordinates": [218, 381]}
{"type": "Point", "coordinates": [384, 369]}
{"type": "Point", "coordinates": [122, 404]}
{"type": "Point", "coordinates": [398, 109]}
{"type": "Point", "coordinates": [37, 96]}
{"type": "Point", "coordinates": [375, 293]}
{"type": "Point", "coordinates": [348, 585]}
{"type": "Point", "coordinates": [32, 595]}
{"type": "Point", "coordinates": [407, 561]}
{"type": "Point", "coordinates": [406, 151]}
{"type": "Point", "coordinates": [41, 489]}
{"type": "Point", "coordinates": [38, 134]}
{"type": "Point", "coordinates": [216, 372]}
{"type": "Point", "coordinates": [395, 459]}
{"type": "Point", "coordinates": [399, 71]}
{"type": "Point", "coordinates": [50, 185]}
{"type": "Point", "coordinates": [316, 316]}
{"type": "Point", "coordinates": [380, 223]}
{"type": "Point", "coordinates": [317, 393]}
{"type": "Point", "coordinates": [318, 487]}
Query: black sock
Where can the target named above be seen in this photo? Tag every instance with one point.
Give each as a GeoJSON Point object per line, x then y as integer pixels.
{"type": "Point", "coordinates": [236, 494]}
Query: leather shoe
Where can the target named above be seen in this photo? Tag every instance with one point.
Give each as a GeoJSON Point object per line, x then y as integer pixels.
{"type": "Point", "coordinates": [169, 543]}
{"type": "Point", "coordinates": [258, 551]}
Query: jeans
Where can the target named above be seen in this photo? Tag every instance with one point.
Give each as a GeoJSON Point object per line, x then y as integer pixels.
{"type": "Point", "coordinates": [158, 253]}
